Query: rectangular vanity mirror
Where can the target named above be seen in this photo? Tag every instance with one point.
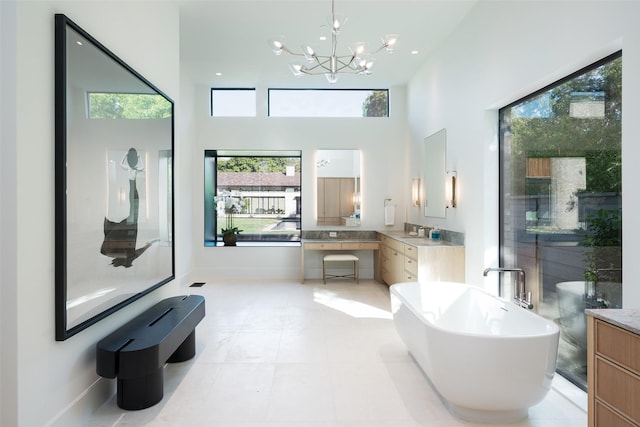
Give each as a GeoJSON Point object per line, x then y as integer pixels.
{"type": "Point", "coordinates": [338, 187]}
{"type": "Point", "coordinates": [435, 172]}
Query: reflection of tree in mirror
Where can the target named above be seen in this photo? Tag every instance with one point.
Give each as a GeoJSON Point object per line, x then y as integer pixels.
{"type": "Point", "coordinates": [128, 106]}
{"type": "Point", "coordinates": [376, 104]}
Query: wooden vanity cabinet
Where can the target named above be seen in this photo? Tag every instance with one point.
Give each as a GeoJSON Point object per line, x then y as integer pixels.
{"type": "Point", "coordinates": [613, 375]}
{"type": "Point", "coordinates": [403, 262]}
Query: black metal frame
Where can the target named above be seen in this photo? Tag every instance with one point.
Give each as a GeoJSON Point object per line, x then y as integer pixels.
{"type": "Point", "coordinates": [62, 332]}
{"type": "Point", "coordinates": [501, 156]}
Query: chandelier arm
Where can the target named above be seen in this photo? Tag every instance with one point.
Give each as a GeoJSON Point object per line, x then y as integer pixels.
{"type": "Point", "coordinates": [384, 46]}
{"type": "Point", "coordinates": [290, 52]}
{"type": "Point", "coordinates": [344, 64]}
{"type": "Point", "coordinates": [322, 65]}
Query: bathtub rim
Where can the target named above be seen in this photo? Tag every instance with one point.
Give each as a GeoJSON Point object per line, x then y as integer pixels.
{"type": "Point", "coordinates": [554, 328]}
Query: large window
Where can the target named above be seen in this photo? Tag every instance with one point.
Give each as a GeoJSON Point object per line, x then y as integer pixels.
{"type": "Point", "coordinates": [257, 192]}
{"type": "Point", "coordinates": [561, 201]}
{"type": "Point", "coordinates": [328, 103]}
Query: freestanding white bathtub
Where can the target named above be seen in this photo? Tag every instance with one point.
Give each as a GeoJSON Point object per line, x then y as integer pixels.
{"type": "Point", "coordinates": [489, 360]}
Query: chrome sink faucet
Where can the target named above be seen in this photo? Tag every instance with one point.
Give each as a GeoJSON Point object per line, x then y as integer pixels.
{"type": "Point", "coordinates": [521, 297]}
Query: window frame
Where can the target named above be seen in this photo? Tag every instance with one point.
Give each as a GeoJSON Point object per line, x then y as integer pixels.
{"type": "Point", "coordinates": [269, 101]}
{"type": "Point", "coordinates": [211, 235]}
{"type": "Point", "coordinates": [505, 251]}
{"type": "Point", "coordinates": [232, 89]}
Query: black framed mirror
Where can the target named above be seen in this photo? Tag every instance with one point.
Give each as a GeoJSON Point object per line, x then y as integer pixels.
{"type": "Point", "coordinates": [114, 138]}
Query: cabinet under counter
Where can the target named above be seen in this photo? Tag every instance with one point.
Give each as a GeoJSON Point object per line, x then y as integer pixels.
{"type": "Point", "coordinates": [613, 367]}
{"type": "Point", "coordinates": [420, 260]}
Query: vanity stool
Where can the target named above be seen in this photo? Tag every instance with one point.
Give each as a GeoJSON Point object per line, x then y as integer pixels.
{"type": "Point", "coordinates": [340, 258]}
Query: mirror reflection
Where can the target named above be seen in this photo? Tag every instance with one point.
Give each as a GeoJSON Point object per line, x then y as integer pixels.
{"type": "Point", "coordinates": [114, 181]}
{"type": "Point", "coordinates": [435, 171]}
{"type": "Point", "coordinates": [338, 187]}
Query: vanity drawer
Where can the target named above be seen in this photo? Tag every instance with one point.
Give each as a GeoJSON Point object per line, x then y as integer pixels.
{"type": "Point", "coordinates": [411, 266]}
{"type": "Point", "coordinates": [617, 388]}
{"type": "Point", "coordinates": [411, 251]}
{"type": "Point", "coordinates": [389, 252]}
{"type": "Point", "coordinates": [606, 417]}
{"type": "Point", "coordinates": [410, 277]}
{"type": "Point", "coordinates": [319, 246]}
{"type": "Point", "coordinates": [393, 243]}
{"type": "Point", "coordinates": [354, 246]}
{"type": "Point", "coordinates": [618, 345]}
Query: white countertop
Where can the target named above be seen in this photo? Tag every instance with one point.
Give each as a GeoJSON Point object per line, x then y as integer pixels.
{"type": "Point", "coordinates": [628, 319]}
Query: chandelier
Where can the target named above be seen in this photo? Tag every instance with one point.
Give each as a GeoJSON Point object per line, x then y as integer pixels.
{"type": "Point", "coordinates": [359, 61]}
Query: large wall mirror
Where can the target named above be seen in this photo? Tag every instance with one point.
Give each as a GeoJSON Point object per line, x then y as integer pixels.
{"type": "Point", "coordinates": [338, 185]}
{"type": "Point", "coordinates": [113, 182]}
{"type": "Point", "coordinates": [435, 174]}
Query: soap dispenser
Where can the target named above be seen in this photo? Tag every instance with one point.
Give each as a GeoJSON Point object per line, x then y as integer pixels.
{"type": "Point", "coordinates": [435, 234]}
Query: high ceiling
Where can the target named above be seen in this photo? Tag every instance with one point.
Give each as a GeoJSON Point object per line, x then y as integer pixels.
{"type": "Point", "coordinates": [232, 37]}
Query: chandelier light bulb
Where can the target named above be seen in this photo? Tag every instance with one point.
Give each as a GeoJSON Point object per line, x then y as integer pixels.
{"type": "Point", "coordinates": [277, 45]}
{"type": "Point", "coordinates": [296, 69]}
{"type": "Point", "coordinates": [309, 53]}
{"type": "Point", "coordinates": [357, 48]}
{"type": "Point", "coordinates": [390, 42]}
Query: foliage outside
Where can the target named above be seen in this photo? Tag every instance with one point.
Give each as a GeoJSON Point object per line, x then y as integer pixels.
{"type": "Point", "coordinates": [257, 164]}
{"type": "Point", "coordinates": [376, 104]}
{"type": "Point", "coordinates": [128, 106]}
{"type": "Point", "coordinates": [543, 127]}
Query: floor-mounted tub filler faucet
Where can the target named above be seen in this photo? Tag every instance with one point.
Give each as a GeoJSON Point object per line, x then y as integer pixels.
{"type": "Point", "coordinates": [521, 296]}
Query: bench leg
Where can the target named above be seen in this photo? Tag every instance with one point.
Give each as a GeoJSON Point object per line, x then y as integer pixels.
{"type": "Point", "coordinates": [140, 393]}
{"type": "Point", "coordinates": [186, 350]}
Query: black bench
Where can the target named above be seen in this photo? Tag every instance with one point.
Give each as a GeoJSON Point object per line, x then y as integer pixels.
{"type": "Point", "coordinates": [136, 352]}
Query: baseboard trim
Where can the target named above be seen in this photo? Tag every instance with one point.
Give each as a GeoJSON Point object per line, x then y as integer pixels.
{"type": "Point", "coordinates": [81, 409]}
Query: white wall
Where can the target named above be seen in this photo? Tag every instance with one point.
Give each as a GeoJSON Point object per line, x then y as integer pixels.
{"type": "Point", "coordinates": [502, 51]}
{"type": "Point", "coordinates": [44, 381]}
{"type": "Point", "coordinates": [8, 195]}
{"type": "Point", "coordinates": [382, 141]}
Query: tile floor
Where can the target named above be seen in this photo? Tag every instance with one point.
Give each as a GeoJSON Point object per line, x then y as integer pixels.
{"type": "Point", "coordinates": [282, 354]}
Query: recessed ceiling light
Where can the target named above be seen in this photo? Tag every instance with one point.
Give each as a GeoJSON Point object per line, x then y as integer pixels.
{"type": "Point", "coordinates": [414, 52]}
{"type": "Point", "coordinates": [79, 43]}
{"type": "Point", "coordinates": [218, 74]}
{"type": "Point", "coordinates": [323, 38]}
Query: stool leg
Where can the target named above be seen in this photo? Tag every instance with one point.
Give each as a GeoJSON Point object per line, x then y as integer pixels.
{"type": "Point", "coordinates": [324, 271]}
{"type": "Point", "coordinates": [356, 270]}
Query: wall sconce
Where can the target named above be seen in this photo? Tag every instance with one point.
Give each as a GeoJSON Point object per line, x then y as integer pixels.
{"type": "Point", "coordinates": [356, 200]}
{"type": "Point", "coordinates": [415, 192]}
{"type": "Point", "coordinates": [451, 189]}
